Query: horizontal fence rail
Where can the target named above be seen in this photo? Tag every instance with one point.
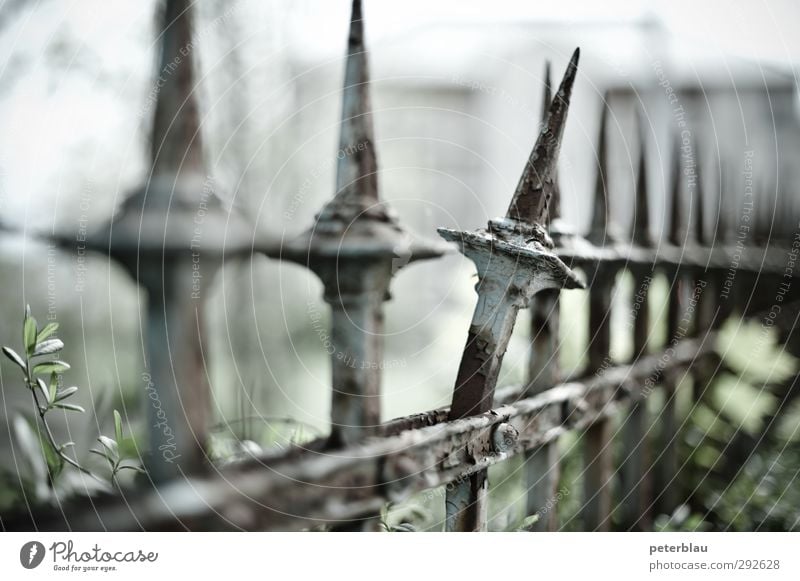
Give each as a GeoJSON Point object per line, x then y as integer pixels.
{"type": "Point", "coordinates": [304, 487]}
{"type": "Point", "coordinates": [355, 246]}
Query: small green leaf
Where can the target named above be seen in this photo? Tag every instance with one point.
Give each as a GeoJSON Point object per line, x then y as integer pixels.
{"type": "Point", "coordinates": [49, 367]}
{"type": "Point", "coordinates": [29, 332]}
{"type": "Point", "coordinates": [111, 447]}
{"type": "Point", "coordinates": [43, 388]}
{"type": "Point", "coordinates": [54, 387]}
{"type": "Point", "coordinates": [65, 393]}
{"type": "Point", "coordinates": [48, 330]}
{"type": "Point", "coordinates": [66, 445]}
{"type": "Point", "coordinates": [117, 426]}
{"type": "Point", "coordinates": [11, 354]}
{"type": "Point", "coordinates": [69, 407]}
{"type": "Point", "coordinates": [55, 463]}
{"type": "Point", "coordinates": [128, 447]}
{"type": "Point", "coordinates": [48, 347]}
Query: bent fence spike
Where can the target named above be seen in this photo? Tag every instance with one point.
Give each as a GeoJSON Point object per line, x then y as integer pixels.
{"type": "Point", "coordinates": [514, 260]}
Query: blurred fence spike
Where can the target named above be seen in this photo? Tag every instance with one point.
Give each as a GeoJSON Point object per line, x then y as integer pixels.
{"type": "Point", "coordinates": [535, 189]}
{"type": "Point", "coordinates": [699, 201]}
{"type": "Point", "coordinates": [171, 235]}
{"type": "Point", "coordinates": [554, 207]}
{"type": "Point", "coordinates": [761, 215]}
{"type": "Point", "coordinates": [641, 222]}
{"type": "Point", "coordinates": [677, 232]}
{"type": "Point", "coordinates": [600, 230]}
{"type": "Point", "coordinates": [725, 228]}
{"type": "Point", "coordinates": [176, 142]}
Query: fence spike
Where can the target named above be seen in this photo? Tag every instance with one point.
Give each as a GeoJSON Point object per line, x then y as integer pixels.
{"type": "Point", "coordinates": [176, 143]}
{"type": "Point", "coordinates": [357, 169]}
{"type": "Point", "coordinates": [761, 214]}
{"type": "Point", "coordinates": [170, 235]}
{"type": "Point", "coordinates": [535, 189]}
{"type": "Point", "coordinates": [724, 226]}
{"type": "Point", "coordinates": [514, 261]}
{"type": "Point", "coordinates": [554, 208]}
{"type": "Point", "coordinates": [548, 92]}
{"type": "Point", "coordinates": [600, 230]}
{"type": "Point", "coordinates": [355, 247]}
{"type": "Point", "coordinates": [641, 223]}
{"type": "Point", "coordinates": [700, 224]}
{"type": "Point", "coordinates": [676, 226]}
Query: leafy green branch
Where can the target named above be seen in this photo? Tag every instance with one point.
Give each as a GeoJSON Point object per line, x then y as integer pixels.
{"type": "Point", "coordinates": [38, 347]}
{"type": "Point", "coordinates": [110, 450]}
{"type": "Point", "coordinates": [38, 359]}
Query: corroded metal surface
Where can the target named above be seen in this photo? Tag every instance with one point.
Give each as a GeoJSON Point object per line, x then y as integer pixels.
{"type": "Point", "coordinates": [355, 246]}
{"type": "Point", "coordinates": [514, 260]}
{"type": "Point", "coordinates": [537, 183]}
{"type": "Point", "coordinates": [634, 474]}
{"type": "Point", "coordinates": [291, 492]}
{"type": "Point", "coordinates": [542, 469]}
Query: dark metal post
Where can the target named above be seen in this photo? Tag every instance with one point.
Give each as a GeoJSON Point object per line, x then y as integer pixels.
{"type": "Point", "coordinates": [602, 276]}
{"type": "Point", "coordinates": [666, 462]}
{"type": "Point", "coordinates": [634, 507]}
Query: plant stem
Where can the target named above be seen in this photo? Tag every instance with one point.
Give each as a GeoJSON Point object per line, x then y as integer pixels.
{"type": "Point", "coordinates": [50, 438]}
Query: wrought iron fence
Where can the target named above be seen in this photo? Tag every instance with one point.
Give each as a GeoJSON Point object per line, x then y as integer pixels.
{"type": "Point", "coordinates": [175, 226]}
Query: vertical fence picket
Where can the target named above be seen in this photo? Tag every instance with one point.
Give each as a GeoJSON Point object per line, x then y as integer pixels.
{"type": "Point", "coordinates": [171, 236]}
{"type": "Point", "coordinates": [355, 247]}
{"type": "Point", "coordinates": [514, 260]}
{"type": "Point", "coordinates": [597, 438]}
{"type": "Point", "coordinates": [542, 469]}
{"type": "Point", "coordinates": [636, 426]}
{"type": "Point", "coordinates": [666, 455]}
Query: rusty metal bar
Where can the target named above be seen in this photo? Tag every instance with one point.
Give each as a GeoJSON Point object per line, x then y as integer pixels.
{"type": "Point", "coordinates": [514, 260]}
{"type": "Point", "coordinates": [171, 235]}
{"type": "Point", "coordinates": [542, 469]}
{"type": "Point", "coordinates": [634, 505]}
{"type": "Point", "coordinates": [598, 460]}
{"type": "Point", "coordinates": [292, 492]}
{"type": "Point", "coordinates": [666, 464]}
{"type": "Point", "coordinates": [355, 246]}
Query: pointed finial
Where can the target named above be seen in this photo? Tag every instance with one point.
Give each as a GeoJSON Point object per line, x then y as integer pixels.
{"type": "Point", "coordinates": [599, 228]}
{"type": "Point", "coordinates": [724, 227]}
{"type": "Point", "coordinates": [676, 226]}
{"type": "Point", "coordinates": [766, 210]}
{"type": "Point", "coordinates": [700, 223]}
{"type": "Point", "coordinates": [641, 223]}
{"type": "Point", "coordinates": [548, 92]}
{"type": "Point", "coordinates": [535, 189]}
{"type": "Point", "coordinates": [554, 208]}
{"type": "Point", "coordinates": [357, 170]}
{"type": "Point", "coordinates": [176, 147]}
